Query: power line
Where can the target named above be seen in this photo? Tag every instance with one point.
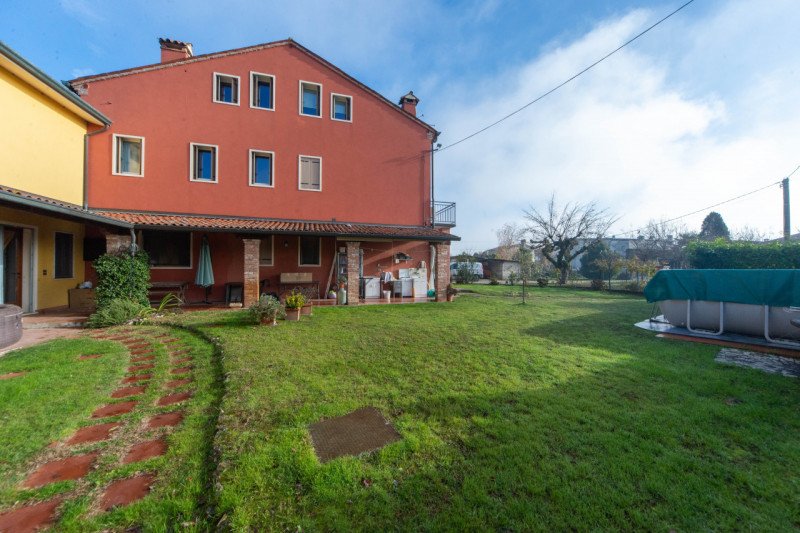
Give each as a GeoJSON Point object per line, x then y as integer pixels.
{"type": "Point", "coordinates": [560, 85]}
{"type": "Point", "coordinates": [717, 204]}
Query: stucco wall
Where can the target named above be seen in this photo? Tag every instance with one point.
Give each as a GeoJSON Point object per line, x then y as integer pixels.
{"type": "Point", "coordinates": [50, 292]}
{"type": "Point", "coordinates": [41, 143]}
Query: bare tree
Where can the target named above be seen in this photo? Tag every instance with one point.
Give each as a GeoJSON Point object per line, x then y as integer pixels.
{"type": "Point", "coordinates": [562, 234]}
{"type": "Point", "coordinates": [749, 234]}
{"type": "Point", "coordinates": [508, 237]}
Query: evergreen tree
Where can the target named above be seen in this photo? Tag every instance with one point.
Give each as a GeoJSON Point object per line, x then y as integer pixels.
{"type": "Point", "coordinates": [588, 267]}
{"type": "Point", "coordinates": [714, 227]}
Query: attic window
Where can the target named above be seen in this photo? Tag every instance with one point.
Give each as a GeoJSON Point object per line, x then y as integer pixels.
{"type": "Point", "coordinates": [310, 99]}
{"type": "Point", "coordinates": [341, 107]}
{"type": "Point", "coordinates": [226, 89]}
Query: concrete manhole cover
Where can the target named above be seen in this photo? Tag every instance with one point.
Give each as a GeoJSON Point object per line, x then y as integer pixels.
{"type": "Point", "coordinates": [363, 430]}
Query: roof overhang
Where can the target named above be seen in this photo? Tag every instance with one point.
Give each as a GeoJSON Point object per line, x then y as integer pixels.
{"type": "Point", "coordinates": [268, 226]}
{"type": "Point", "coordinates": [27, 72]}
{"type": "Point", "coordinates": [21, 199]}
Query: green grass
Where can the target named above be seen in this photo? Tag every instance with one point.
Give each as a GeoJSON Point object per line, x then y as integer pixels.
{"type": "Point", "coordinates": [554, 415]}
{"type": "Point", "coordinates": [55, 396]}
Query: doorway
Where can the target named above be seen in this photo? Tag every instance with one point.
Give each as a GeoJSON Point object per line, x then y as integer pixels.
{"type": "Point", "coordinates": [15, 267]}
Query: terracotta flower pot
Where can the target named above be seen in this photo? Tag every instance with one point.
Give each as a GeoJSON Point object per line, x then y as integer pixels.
{"type": "Point", "coordinates": [307, 310]}
{"type": "Point", "coordinates": [269, 321]}
{"type": "Point", "coordinates": [293, 314]}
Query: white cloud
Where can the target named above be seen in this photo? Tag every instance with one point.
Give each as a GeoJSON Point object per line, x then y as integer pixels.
{"type": "Point", "coordinates": [644, 133]}
{"type": "Point", "coordinates": [80, 72]}
{"type": "Point", "coordinates": [84, 11]}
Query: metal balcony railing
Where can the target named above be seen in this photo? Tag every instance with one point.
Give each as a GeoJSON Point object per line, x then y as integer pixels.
{"type": "Point", "coordinates": [443, 213]}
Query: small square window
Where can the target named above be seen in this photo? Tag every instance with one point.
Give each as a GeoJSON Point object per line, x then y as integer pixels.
{"type": "Point", "coordinates": [128, 155]}
{"type": "Point", "coordinates": [310, 173]}
{"type": "Point", "coordinates": [265, 251]}
{"type": "Point", "coordinates": [203, 163]}
{"type": "Point", "coordinates": [310, 251]}
{"type": "Point", "coordinates": [310, 99]}
{"type": "Point", "coordinates": [226, 89]}
{"type": "Point", "coordinates": [262, 89]}
{"type": "Point", "coordinates": [64, 248]}
{"type": "Point", "coordinates": [261, 166]}
{"type": "Point", "coordinates": [341, 107]}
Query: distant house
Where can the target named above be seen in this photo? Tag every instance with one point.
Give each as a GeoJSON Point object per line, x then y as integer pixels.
{"type": "Point", "coordinates": [500, 268]}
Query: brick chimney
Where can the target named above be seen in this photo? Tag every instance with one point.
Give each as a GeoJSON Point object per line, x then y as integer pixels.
{"type": "Point", "coordinates": [409, 103]}
{"type": "Point", "coordinates": [173, 50]}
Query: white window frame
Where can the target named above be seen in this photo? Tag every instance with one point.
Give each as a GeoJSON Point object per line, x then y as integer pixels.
{"type": "Point", "coordinates": [251, 153]}
{"type": "Point", "coordinates": [300, 170]}
{"type": "Point", "coordinates": [300, 98]}
{"type": "Point", "coordinates": [300, 253]}
{"type": "Point", "coordinates": [55, 258]}
{"type": "Point", "coordinates": [333, 110]}
{"type": "Point", "coordinates": [238, 89]}
{"type": "Point", "coordinates": [253, 74]}
{"type": "Point", "coordinates": [272, 250]}
{"type": "Point", "coordinates": [192, 146]}
{"type": "Point", "coordinates": [115, 153]}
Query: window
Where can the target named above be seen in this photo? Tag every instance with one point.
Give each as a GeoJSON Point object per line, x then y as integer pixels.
{"type": "Point", "coordinates": [310, 99]}
{"type": "Point", "coordinates": [342, 107]}
{"type": "Point", "coordinates": [128, 155]}
{"type": "Point", "coordinates": [310, 173]}
{"type": "Point", "coordinates": [261, 166]}
{"type": "Point", "coordinates": [226, 89]}
{"type": "Point", "coordinates": [262, 91]}
{"type": "Point", "coordinates": [168, 249]}
{"type": "Point", "coordinates": [265, 251]}
{"type": "Point", "coordinates": [64, 255]}
{"type": "Point", "coordinates": [203, 162]}
{"type": "Point", "coordinates": [310, 251]}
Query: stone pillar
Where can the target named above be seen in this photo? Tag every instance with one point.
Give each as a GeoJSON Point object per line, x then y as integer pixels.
{"type": "Point", "coordinates": [250, 294]}
{"type": "Point", "coordinates": [117, 243]}
{"type": "Point", "coordinates": [352, 272]}
{"type": "Point", "coordinates": [442, 270]}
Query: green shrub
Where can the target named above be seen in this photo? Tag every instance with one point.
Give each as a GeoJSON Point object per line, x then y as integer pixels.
{"type": "Point", "coordinates": [266, 309]}
{"type": "Point", "coordinates": [634, 286]}
{"type": "Point", "coordinates": [122, 276]}
{"type": "Point", "coordinates": [543, 282]}
{"type": "Point", "coordinates": [493, 281]}
{"type": "Point", "coordinates": [117, 312]}
{"type": "Point", "coordinates": [597, 284]}
{"type": "Point", "coordinates": [296, 300]}
{"type": "Point", "coordinates": [725, 254]}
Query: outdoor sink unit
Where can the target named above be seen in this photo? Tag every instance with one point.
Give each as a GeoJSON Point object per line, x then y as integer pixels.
{"type": "Point", "coordinates": [726, 303]}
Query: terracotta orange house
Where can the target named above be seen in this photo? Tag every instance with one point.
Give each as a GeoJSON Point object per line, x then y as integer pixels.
{"type": "Point", "coordinates": [294, 172]}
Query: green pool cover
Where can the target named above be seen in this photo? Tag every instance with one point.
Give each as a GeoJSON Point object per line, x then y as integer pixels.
{"type": "Point", "coordinates": [759, 287]}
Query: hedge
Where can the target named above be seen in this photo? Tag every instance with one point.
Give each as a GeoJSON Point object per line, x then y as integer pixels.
{"type": "Point", "coordinates": [122, 276]}
{"type": "Point", "coordinates": [726, 254]}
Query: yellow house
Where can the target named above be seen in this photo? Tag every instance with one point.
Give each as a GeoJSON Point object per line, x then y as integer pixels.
{"type": "Point", "coordinates": [43, 217]}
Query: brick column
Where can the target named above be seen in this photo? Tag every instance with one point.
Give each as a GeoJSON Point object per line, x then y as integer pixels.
{"type": "Point", "coordinates": [442, 270]}
{"type": "Point", "coordinates": [251, 275]}
{"type": "Point", "coordinates": [117, 243]}
{"type": "Point", "coordinates": [352, 272]}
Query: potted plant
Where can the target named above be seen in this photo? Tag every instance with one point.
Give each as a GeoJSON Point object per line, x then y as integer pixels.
{"type": "Point", "coordinates": [308, 308]}
{"type": "Point", "coordinates": [266, 310]}
{"type": "Point", "coordinates": [451, 292]}
{"type": "Point", "coordinates": [294, 302]}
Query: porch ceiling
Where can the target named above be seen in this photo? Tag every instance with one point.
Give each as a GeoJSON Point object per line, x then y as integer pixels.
{"type": "Point", "coordinates": [273, 226]}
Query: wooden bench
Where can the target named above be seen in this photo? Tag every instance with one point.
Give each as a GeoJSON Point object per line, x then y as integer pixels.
{"type": "Point", "coordinates": [159, 289]}
{"type": "Point", "coordinates": [300, 281]}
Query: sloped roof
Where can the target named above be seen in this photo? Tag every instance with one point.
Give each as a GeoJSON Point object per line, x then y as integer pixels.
{"type": "Point", "coordinates": [276, 226]}
{"type": "Point", "coordinates": [27, 72]}
{"type": "Point", "coordinates": [244, 50]}
{"type": "Point", "coordinates": [26, 199]}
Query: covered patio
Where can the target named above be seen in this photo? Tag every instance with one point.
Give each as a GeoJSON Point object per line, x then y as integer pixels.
{"type": "Point", "coordinates": [253, 256]}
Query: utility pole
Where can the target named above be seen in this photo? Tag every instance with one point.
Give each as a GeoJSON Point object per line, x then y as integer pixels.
{"type": "Point", "coordinates": [787, 231]}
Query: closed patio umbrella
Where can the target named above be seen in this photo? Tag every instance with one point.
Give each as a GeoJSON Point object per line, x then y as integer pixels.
{"type": "Point", "coordinates": [205, 272]}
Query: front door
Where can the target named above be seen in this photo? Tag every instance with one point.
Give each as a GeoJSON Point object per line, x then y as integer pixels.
{"type": "Point", "coordinates": [12, 266]}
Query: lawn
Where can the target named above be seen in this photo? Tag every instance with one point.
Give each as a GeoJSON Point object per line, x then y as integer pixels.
{"type": "Point", "coordinates": [555, 415]}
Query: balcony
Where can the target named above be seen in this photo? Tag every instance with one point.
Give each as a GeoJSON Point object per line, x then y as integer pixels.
{"type": "Point", "coordinates": [443, 214]}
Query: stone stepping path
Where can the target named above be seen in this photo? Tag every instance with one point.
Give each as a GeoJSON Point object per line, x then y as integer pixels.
{"type": "Point", "coordinates": [121, 492]}
{"type": "Point", "coordinates": [166, 420]}
{"type": "Point", "coordinates": [96, 433]}
{"type": "Point", "coordinates": [171, 399]}
{"type": "Point", "coordinates": [70, 468]}
{"type": "Point", "coordinates": [125, 392]}
{"type": "Point", "coordinates": [145, 450]}
{"type": "Point", "coordinates": [114, 409]}
{"type": "Point", "coordinates": [30, 518]}
{"type": "Point", "coordinates": [125, 491]}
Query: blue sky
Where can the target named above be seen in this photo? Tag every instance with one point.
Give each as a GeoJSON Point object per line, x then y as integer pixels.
{"type": "Point", "coordinates": [701, 109]}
